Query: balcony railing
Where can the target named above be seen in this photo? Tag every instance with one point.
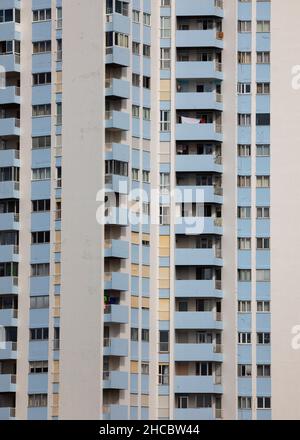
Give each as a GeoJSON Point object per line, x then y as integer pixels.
{"type": "Point", "coordinates": [218, 222]}
{"type": "Point", "coordinates": [219, 414]}
{"type": "Point", "coordinates": [218, 348]}
{"type": "Point", "coordinates": [218, 284]}
{"type": "Point", "coordinates": [106, 342]}
{"type": "Point", "coordinates": [218, 190]}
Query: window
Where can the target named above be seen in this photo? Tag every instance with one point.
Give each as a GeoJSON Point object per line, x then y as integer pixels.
{"type": "Point", "coordinates": [263, 150]}
{"type": "Point", "coordinates": [116, 167]}
{"type": "Point", "coordinates": [135, 16]}
{"type": "Point", "coordinates": [244, 181]}
{"type": "Point", "coordinates": [41, 173]}
{"type": "Point", "coordinates": [165, 27]}
{"type": "Point", "coordinates": [9, 269]}
{"type": "Point", "coordinates": [244, 26]}
{"type": "Point", "coordinates": [163, 374]}
{"type": "Point", "coordinates": [244, 275]}
{"type": "Point", "coordinates": [263, 119]}
{"type": "Point", "coordinates": [244, 212]}
{"type": "Point", "coordinates": [244, 244]}
{"type": "Point", "coordinates": [263, 370]}
{"type": "Point", "coordinates": [165, 124]}
{"type": "Point", "coordinates": [146, 114]}
{"type": "Point", "coordinates": [263, 243]}
{"type": "Point", "coordinates": [41, 142]}
{"type": "Point", "coordinates": [135, 48]}
{"type": "Point", "coordinates": [134, 334]}
{"type": "Point", "coordinates": [244, 150]}
{"type": "Point", "coordinates": [263, 338]}
{"type": "Point", "coordinates": [7, 15]}
{"type": "Point", "coordinates": [146, 208]}
{"type": "Point", "coordinates": [39, 334]}
{"type": "Point", "coordinates": [38, 367]}
{"type": "Point", "coordinates": [41, 205]}
{"type": "Point", "coordinates": [41, 46]}
{"type": "Point", "coordinates": [262, 181]}
{"type": "Point", "coordinates": [164, 181]}
{"type": "Point", "coordinates": [41, 15]}
{"type": "Point", "coordinates": [244, 88]}
{"type": "Point", "coordinates": [165, 58]}
{"type": "Point", "coordinates": [244, 338]}
{"type": "Point", "coordinates": [244, 57]}
{"type": "Point", "coordinates": [145, 335]}
{"type": "Point", "coordinates": [263, 88]}
{"type": "Point", "coordinates": [164, 341]}
{"type": "Point", "coordinates": [263, 275]}
{"type": "Point", "coordinates": [39, 79]}
{"type": "Point", "coordinates": [146, 176]}
{"type": "Point", "coordinates": [146, 82]}
{"type": "Point", "coordinates": [40, 237]}
{"type": "Point", "coordinates": [263, 57]}
{"type": "Point", "coordinates": [244, 120]}
{"type": "Point", "coordinates": [145, 368]}
{"type": "Point", "coordinates": [164, 215]}
{"type": "Point", "coordinates": [203, 401]}
{"type": "Point", "coordinates": [41, 110]}
{"type": "Point", "coordinates": [146, 19]}
{"type": "Point", "coordinates": [244, 306]}
{"type": "Point", "coordinates": [37, 400]}
{"type": "Point", "coordinates": [204, 369]}
{"type": "Point", "coordinates": [39, 302]}
{"type": "Point", "coordinates": [121, 8]}
{"type": "Point", "coordinates": [165, 3]}
{"type": "Point", "coordinates": [264, 403]}
{"type": "Point", "coordinates": [244, 402]}
{"type": "Point", "coordinates": [146, 50]}
{"type": "Point", "coordinates": [244, 370]}
{"type": "Point", "coordinates": [135, 111]}
{"type": "Point", "coordinates": [135, 173]}
{"type": "Point", "coordinates": [262, 212]}
{"type": "Point", "coordinates": [263, 26]}
{"type": "Point", "coordinates": [40, 270]}
{"type": "Point", "coordinates": [263, 306]}
{"type": "Point", "coordinates": [135, 80]}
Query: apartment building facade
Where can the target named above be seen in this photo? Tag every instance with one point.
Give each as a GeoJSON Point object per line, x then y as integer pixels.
{"type": "Point", "coordinates": [143, 271]}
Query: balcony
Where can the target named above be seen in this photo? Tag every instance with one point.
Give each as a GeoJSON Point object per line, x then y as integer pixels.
{"type": "Point", "coordinates": [7, 383]}
{"type": "Point", "coordinates": [115, 347]}
{"type": "Point", "coordinates": [117, 151]}
{"type": "Point", "coordinates": [8, 318]}
{"type": "Point", "coordinates": [115, 412]}
{"type": "Point", "coordinates": [198, 162]}
{"type": "Point", "coordinates": [9, 253]}
{"type": "Point", "coordinates": [116, 216]}
{"type": "Point", "coordinates": [117, 23]}
{"type": "Point", "coordinates": [198, 352]}
{"type": "Point", "coordinates": [198, 320]}
{"type": "Point", "coordinates": [199, 38]}
{"type": "Point", "coordinates": [8, 285]}
{"type": "Point", "coordinates": [205, 8]}
{"type": "Point", "coordinates": [10, 62]}
{"type": "Point", "coordinates": [116, 281]}
{"type": "Point", "coordinates": [199, 70]}
{"type": "Point", "coordinates": [194, 414]}
{"type": "Point", "coordinates": [8, 350]}
{"type": "Point", "coordinates": [197, 384]}
{"type": "Point", "coordinates": [115, 314]}
{"type": "Point", "coordinates": [198, 257]}
{"type": "Point", "coordinates": [10, 31]}
{"type": "Point", "coordinates": [9, 221]}
{"type": "Point", "coordinates": [117, 87]}
{"type": "Point", "coordinates": [199, 194]}
{"type": "Point", "coordinates": [116, 120]}
{"type": "Point", "coordinates": [118, 55]}
{"type": "Point", "coordinates": [197, 132]}
{"type": "Point", "coordinates": [7, 413]}
{"type": "Point", "coordinates": [9, 190]}
{"type": "Point", "coordinates": [10, 95]}
{"type": "Point", "coordinates": [116, 248]}
{"type": "Point", "coordinates": [199, 101]}
{"type": "Point", "coordinates": [9, 127]}
{"type": "Point", "coordinates": [198, 225]}
{"type": "Point", "coordinates": [115, 183]}
{"type": "Point", "coordinates": [197, 288]}
{"type": "Point", "coordinates": [117, 380]}
{"type": "Point", "coordinates": [10, 158]}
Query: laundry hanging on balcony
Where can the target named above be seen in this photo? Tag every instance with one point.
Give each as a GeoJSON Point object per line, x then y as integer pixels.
{"type": "Point", "coordinates": [192, 121]}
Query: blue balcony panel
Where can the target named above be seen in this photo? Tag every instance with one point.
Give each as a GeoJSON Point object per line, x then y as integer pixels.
{"type": "Point", "coordinates": [40, 413]}
{"type": "Point", "coordinates": [118, 23]}
{"type": "Point", "coordinates": [205, 7]}
{"type": "Point", "coordinates": [197, 320]}
{"type": "Point", "coordinates": [115, 347]}
{"type": "Point", "coordinates": [263, 322]}
{"type": "Point", "coordinates": [117, 87]}
{"type": "Point", "coordinates": [244, 354]}
{"type": "Point", "coordinates": [197, 352]}
{"type": "Point", "coordinates": [116, 281]}
{"type": "Point", "coordinates": [38, 383]}
{"type": "Point", "coordinates": [117, 380]}
{"type": "Point", "coordinates": [41, 126]}
{"type": "Point", "coordinates": [117, 120]}
{"type": "Point", "coordinates": [199, 194]}
{"type": "Point", "coordinates": [9, 253]}
{"type": "Point", "coordinates": [117, 216]}
{"type": "Point", "coordinates": [41, 158]}
{"type": "Point", "coordinates": [198, 225]}
{"type": "Point", "coordinates": [40, 189]}
{"type": "Point", "coordinates": [118, 55]}
{"type": "Point", "coordinates": [9, 127]}
{"type": "Point", "coordinates": [244, 322]}
{"type": "Point", "coordinates": [115, 412]}
{"type": "Point", "coordinates": [39, 285]}
{"type": "Point", "coordinates": [40, 253]}
{"type": "Point", "coordinates": [197, 288]}
{"type": "Point", "coordinates": [263, 414]}
{"type": "Point", "coordinates": [244, 414]}
{"type": "Point", "coordinates": [8, 285]}
{"type": "Point", "coordinates": [41, 94]}
{"type": "Point", "coordinates": [41, 63]}
{"type": "Point", "coordinates": [40, 221]}
{"type": "Point", "coordinates": [10, 62]}
{"type": "Point", "coordinates": [197, 257]}
{"type": "Point", "coordinates": [244, 386]}
{"type": "Point", "coordinates": [7, 413]}
{"type": "Point", "coordinates": [194, 414]}
{"type": "Point", "coordinates": [198, 70]}
{"type": "Point", "coordinates": [263, 386]}
{"type": "Point", "coordinates": [41, 31]}
{"type": "Point", "coordinates": [38, 350]}
{"type": "Point", "coordinates": [197, 384]}
{"type": "Point", "coordinates": [198, 101]}
{"type": "Point", "coordinates": [116, 314]}
{"type": "Point", "coordinates": [7, 383]}
{"type": "Point", "coordinates": [10, 95]}
{"type": "Point", "coordinates": [9, 158]}
{"type": "Point", "coordinates": [8, 350]}
{"type": "Point", "coordinates": [10, 30]}
{"type": "Point", "coordinates": [115, 183]}
{"type": "Point", "coordinates": [38, 318]}
{"type": "Point", "coordinates": [116, 248]}
{"type": "Point", "coordinates": [196, 132]}
{"type": "Point", "coordinates": [9, 222]}
{"type": "Point", "coordinates": [8, 318]}
{"type": "Point", "coordinates": [197, 163]}
{"type": "Point", "coordinates": [199, 38]}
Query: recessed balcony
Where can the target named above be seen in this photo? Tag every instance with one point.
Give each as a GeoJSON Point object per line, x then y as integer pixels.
{"type": "Point", "coordinates": [198, 288]}
{"type": "Point", "coordinates": [196, 132]}
{"type": "Point", "coordinates": [199, 38]}
{"type": "Point", "coordinates": [115, 314]}
{"type": "Point", "coordinates": [117, 380]}
{"type": "Point", "coordinates": [118, 55]}
{"type": "Point", "coordinates": [116, 281]}
{"type": "Point", "coordinates": [199, 101]}
{"type": "Point", "coordinates": [8, 318]}
{"type": "Point", "coordinates": [116, 120]}
{"type": "Point", "coordinates": [199, 194]}
{"type": "Point", "coordinates": [195, 8]}
{"type": "Point", "coordinates": [198, 384]}
{"type": "Point", "coordinates": [198, 163]}
{"type": "Point", "coordinates": [199, 70]}
{"type": "Point", "coordinates": [198, 257]}
{"type": "Point", "coordinates": [116, 248]}
{"type": "Point", "coordinates": [117, 87]}
{"type": "Point", "coordinates": [199, 225]}
{"type": "Point", "coordinates": [9, 127]}
{"type": "Point", "coordinates": [198, 352]}
{"type": "Point", "coordinates": [115, 347]}
{"type": "Point", "coordinates": [7, 383]}
{"type": "Point", "coordinates": [8, 350]}
{"type": "Point", "coordinates": [198, 320]}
